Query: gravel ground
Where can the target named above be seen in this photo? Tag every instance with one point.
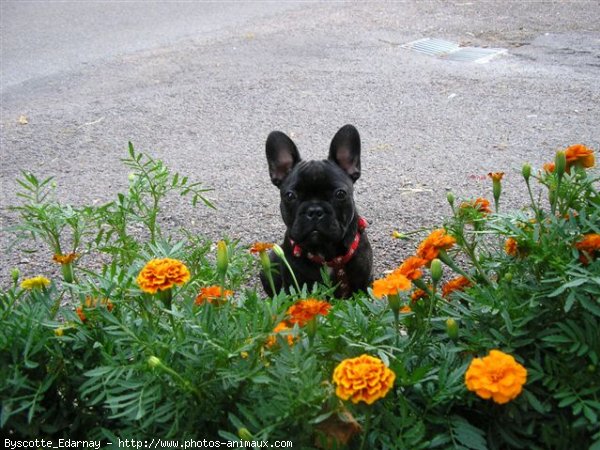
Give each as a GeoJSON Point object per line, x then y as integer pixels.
{"type": "Point", "coordinates": [205, 105]}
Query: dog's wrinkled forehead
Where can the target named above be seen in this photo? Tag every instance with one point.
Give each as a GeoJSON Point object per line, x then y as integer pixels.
{"type": "Point", "coordinates": [317, 177]}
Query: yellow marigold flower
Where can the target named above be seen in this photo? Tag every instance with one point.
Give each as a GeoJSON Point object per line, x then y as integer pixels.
{"type": "Point", "coordinates": [497, 376]}
{"type": "Point", "coordinates": [303, 311]}
{"type": "Point", "coordinates": [162, 274]}
{"type": "Point", "coordinates": [581, 154]}
{"type": "Point", "coordinates": [362, 379]}
{"type": "Point", "coordinates": [65, 259]}
{"type": "Point", "coordinates": [212, 294]}
{"type": "Point", "coordinates": [590, 244]}
{"type": "Point", "coordinates": [430, 247]}
{"type": "Point", "coordinates": [390, 285]}
{"type": "Point", "coordinates": [456, 284]}
{"type": "Point", "coordinates": [511, 247]}
{"type": "Point", "coordinates": [496, 176]}
{"type": "Point", "coordinates": [281, 326]}
{"type": "Point", "coordinates": [260, 247]}
{"type": "Point", "coordinates": [35, 283]}
{"type": "Point", "coordinates": [411, 267]}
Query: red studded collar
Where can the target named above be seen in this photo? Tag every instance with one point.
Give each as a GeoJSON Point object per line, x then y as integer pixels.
{"type": "Point", "coordinates": [338, 262]}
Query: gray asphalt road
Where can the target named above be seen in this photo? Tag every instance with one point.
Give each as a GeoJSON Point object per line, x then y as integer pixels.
{"type": "Point", "coordinates": [204, 99]}
{"type": "Point", "coordinates": [42, 38]}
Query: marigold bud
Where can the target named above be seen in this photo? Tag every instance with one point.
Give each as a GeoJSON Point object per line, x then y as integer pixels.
{"type": "Point", "coordinates": [397, 235]}
{"type": "Point", "coordinates": [436, 271]}
{"type": "Point", "coordinates": [526, 171]}
{"type": "Point", "coordinates": [278, 251]}
{"type": "Point", "coordinates": [450, 198]}
{"type": "Point", "coordinates": [452, 329]}
{"type": "Point", "coordinates": [497, 190]}
{"type": "Point", "coordinates": [222, 258]}
{"type": "Point", "coordinates": [15, 273]}
{"type": "Point", "coordinates": [560, 163]}
{"type": "Point", "coordinates": [311, 328]}
{"type": "Point", "coordinates": [154, 362]}
{"type": "Point", "coordinates": [265, 262]}
{"type": "Point", "coordinates": [394, 302]}
{"type": "Point", "coordinates": [244, 434]}
{"type": "Point", "coordinates": [67, 272]}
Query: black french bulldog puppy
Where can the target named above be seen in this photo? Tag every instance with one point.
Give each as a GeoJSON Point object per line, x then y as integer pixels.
{"type": "Point", "coordinates": [324, 229]}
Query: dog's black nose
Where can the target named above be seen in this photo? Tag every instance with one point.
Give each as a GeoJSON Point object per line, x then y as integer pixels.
{"type": "Point", "coordinates": [314, 213]}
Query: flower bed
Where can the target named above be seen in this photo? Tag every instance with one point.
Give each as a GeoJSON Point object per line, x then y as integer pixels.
{"type": "Point", "coordinates": [488, 337]}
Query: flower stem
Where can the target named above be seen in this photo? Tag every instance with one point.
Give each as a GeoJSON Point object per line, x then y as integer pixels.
{"type": "Point", "coordinates": [445, 258]}
{"type": "Point", "coordinates": [56, 305]}
{"type": "Point", "coordinates": [394, 303]}
{"type": "Point", "coordinates": [533, 204]}
{"type": "Point", "coordinates": [421, 285]}
{"type": "Point", "coordinates": [185, 383]}
{"type": "Point", "coordinates": [279, 252]}
{"type": "Point", "coordinates": [267, 270]}
{"type": "Point", "coordinates": [366, 432]}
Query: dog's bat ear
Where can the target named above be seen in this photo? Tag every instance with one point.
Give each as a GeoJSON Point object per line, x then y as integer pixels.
{"type": "Point", "coordinates": [282, 156]}
{"type": "Point", "coordinates": [345, 151]}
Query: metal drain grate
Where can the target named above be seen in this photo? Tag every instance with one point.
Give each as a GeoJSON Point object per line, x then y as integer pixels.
{"type": "Point", "coordinates": [453, 52]}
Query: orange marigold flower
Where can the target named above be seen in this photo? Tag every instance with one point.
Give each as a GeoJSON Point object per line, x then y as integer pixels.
{"type": "Point", "coordinates": [260, 247]}
{"type": "Point", "coordinates": [497, 376]}
{"type": "Point", "coordinates": [92, 303]}
{"type": "Point", "coordinates": [430, 247]}
{"type": "Point", "coordinates": [496, 176]}
{"type": "Point", "coordinates": [390, 285]}
{"type": "Point", "coordinates": [162, 274]}
{"type": "Point", "coordinates": [411, 267]}
{"type": "Point", "coordinates": [580, 154]}
{"type": "Point", "coordinates": [417, 295]}
{"type": "Point", "coordinates": [212, 294]}
{"type": "Point", "coordinates": [549, 167]}
{"type": "Point", "coordinates": [363, 378]}
{"type": "Point", "coordinates": [405, 309]}
{"type": "Point", "coordinates": [456, 284]}
{"type": "Point", "coordinates": [590, 244]}
{"type": "Point", "coordinates": [281, 326]}
{"type": "Point", "coordinates": [303, 311]}
{"type": "Point", "coordinates": [64, 259]}
{"type": "Point", "coordinates": [481, 204]}
{"type": "Point", "coordinates": [511, 247]}
{"type": "Point", "coordinates": [80, 313]}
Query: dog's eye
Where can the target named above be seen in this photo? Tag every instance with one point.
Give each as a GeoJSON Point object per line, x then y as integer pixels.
{"type": "Point", "coordinates": [340, 194]}
{"type": "Point", "coordinates": [290, 196]}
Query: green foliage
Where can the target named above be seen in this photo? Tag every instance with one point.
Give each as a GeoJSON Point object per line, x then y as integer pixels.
{"type": "Point", "coordinates": [95, 356]}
